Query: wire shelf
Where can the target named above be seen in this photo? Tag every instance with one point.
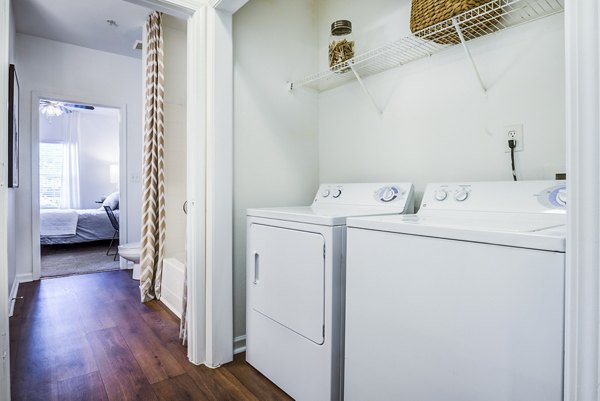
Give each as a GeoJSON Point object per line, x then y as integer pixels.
{"type": "Point", "coordinates": [491, 17]}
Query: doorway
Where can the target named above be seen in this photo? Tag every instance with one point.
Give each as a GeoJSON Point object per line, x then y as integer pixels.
{"type": "Point", "coordinates": [78, 187]}
{"type": "Point", "coordinates": [78, 148]}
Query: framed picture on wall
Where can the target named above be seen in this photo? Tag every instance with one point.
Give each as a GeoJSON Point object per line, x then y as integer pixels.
{"type": "Point", "coordinates": [13, 128]}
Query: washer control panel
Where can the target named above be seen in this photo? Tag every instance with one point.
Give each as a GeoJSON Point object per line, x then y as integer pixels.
{"type": "Point", "coordinates": [388, 193]}
{"type": "Point", "coordinates": [441, 194]}
{"type": "Point", "coordinates": [554, 196]}
{"type": "Point", "coordinates": [372, 194]}
{"type": "Point", "coordinates": [449, 193]}
{"type": "Point", "coordinates": [502, 196]}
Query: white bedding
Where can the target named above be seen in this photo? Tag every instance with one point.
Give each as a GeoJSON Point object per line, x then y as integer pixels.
{"type": "Point", "coordinates": [92, 225]}
{"type": "Point", "coordinates": [58, 222]}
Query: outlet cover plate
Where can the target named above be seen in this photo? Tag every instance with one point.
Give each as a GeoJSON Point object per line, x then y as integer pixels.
{"type": "Point", "coordinates": [513, 132]}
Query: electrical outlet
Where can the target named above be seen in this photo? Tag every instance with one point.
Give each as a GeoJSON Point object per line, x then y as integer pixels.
{"type": "Point", "coordinates": [514, 132]}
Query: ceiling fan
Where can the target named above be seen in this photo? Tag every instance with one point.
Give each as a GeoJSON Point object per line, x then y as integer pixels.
{"type": "Point", "coordinates": [53, 108]}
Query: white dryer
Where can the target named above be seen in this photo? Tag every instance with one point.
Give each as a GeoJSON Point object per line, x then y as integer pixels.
{"type": "Point", "coordinates": [462, 301]}
{"type": "Point", "coordinates": [295, 285]}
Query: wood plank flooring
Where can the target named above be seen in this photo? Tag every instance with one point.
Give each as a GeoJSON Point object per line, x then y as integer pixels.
{"type": "Point", "coordinates": [88, 337]}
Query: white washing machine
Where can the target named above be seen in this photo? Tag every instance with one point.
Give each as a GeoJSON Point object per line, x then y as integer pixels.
{"type": "Point", "coordinates": [295, 288]}
{"type": "Point", "coordinates": [463, 301]}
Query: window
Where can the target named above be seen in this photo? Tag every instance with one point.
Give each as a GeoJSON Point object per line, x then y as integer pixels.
{"type": "Point", "coordinates": [51, 174]}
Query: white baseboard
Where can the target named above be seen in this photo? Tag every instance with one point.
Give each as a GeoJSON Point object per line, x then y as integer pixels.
{"type": "Point", "coordinates": [19, 278]}
{"type": "Point", "coordinates": [12, 297]}
{"type": "Point", "coordinates": [239, 344]}
{"type": "Point", "coordinates": [24, 277]}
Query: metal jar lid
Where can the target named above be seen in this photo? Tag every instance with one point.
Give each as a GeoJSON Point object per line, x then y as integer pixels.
{"type": "Point", "coordinates": [341, 27]}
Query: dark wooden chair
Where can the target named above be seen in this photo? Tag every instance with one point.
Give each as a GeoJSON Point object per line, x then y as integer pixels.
{"type": "Point", "coordinates": [115, 223]}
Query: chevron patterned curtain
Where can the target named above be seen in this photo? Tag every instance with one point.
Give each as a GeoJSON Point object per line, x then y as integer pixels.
{"type": "Point", "coordinates": [153, 198]}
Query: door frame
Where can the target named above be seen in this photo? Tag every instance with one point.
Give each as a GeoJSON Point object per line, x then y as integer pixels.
{"type": "Point", "coordinates": [5, 7]}
{"type": "Point", "coordinates": [35, 170]}
{"type": "Point", "coordinates": [209, 174]}
{"type": "Point", "coordinates": [582, 318]}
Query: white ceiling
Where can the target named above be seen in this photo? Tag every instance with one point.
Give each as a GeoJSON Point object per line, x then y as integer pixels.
{"type": "Point", "coordinates": [83, 23]}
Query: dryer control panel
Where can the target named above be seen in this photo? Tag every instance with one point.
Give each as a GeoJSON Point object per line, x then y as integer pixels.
{"type": "Point", "coordinates": [509, 196]}
{"type": "Point", "coordinates": [397, 195]}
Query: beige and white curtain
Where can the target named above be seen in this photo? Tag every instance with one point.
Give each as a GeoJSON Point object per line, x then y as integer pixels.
{"type": "Point", "coordinates": [153, 186]}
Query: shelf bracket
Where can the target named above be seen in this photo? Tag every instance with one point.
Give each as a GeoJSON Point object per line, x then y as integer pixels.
{"type": "Point", "coordinates": [364, 88]}
{"type": "Point", "coordinates": [466, 48]}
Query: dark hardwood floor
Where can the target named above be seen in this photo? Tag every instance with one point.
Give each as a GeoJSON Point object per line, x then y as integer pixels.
{"type": "Point", "coordinates": [88, 337]}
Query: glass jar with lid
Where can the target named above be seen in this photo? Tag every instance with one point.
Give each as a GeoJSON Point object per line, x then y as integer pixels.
{"type": "Point", "coordinates": [341, 46]}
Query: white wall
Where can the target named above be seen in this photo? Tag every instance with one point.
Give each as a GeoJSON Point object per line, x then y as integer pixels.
{"type": "Point", "coordinates": [87, 75]}
{"type": "Point", "coordinates": [175, 53]}
{"type": "Point", "coordinates": [12, 34]}
{"type": "Point", "coordinates": [275, 134]}
{"type": "Point", "coordinates": [98, 150]}
{"type": "Point", "coordinates": [11, 207]}
{"type": "Point", "coordinates": [437, 124]}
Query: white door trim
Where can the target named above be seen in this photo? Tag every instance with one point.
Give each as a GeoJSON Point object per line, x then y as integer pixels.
{"type": "Point", "coordinates": [219, 185]}
{"type": "Point", "coordinates": [196, 185]}
{"type": "Point", "coordinates": [4, 305]}
{"type": "Point", "coordinates": [582, 38]}
{"type": "Point", "coordinates": [209, 174]}
{"type": "Point", "coordinates": [35, 169]}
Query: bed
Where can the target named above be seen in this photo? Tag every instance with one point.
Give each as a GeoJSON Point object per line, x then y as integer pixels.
{"type": "Point", "coordinates": [72, 226]}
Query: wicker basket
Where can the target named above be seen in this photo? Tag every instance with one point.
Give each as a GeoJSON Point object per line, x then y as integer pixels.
{"type": "Point", "coordinates": [425, 13]}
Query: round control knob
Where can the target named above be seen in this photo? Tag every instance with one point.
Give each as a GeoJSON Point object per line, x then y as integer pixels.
{"type": "Point", "coordinates": [561, 197]}
{"type": "Point", "coordinates": [337, 193]}
{"type": "Point", "coordinates": [388, 195]}
{"type": "Point", "coordinates": [461, 195]}
{"type": "Point", "coordinates": [440, 195]}
{"type": "Point", "coordinates": [325, 193]}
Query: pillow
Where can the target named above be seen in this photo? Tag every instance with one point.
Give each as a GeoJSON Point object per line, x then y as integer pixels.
{"type": "Point", "coordinates": [112, 200]}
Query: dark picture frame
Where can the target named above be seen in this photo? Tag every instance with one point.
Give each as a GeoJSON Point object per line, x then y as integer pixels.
{"type": "Point", "coordinates": [13, 127]}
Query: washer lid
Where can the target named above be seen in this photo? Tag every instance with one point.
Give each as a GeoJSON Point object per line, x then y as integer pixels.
{"type": "Point", "coordinates": [524, 230]}
{"type": "Point", "coordinates": [326, 215]}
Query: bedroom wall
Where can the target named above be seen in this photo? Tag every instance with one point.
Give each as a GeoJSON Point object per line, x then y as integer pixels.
{"type": "Point", "coordinates": [275, 134]}
{"type": "Point", "coordinates": [93, 76]}
{"type": "Point", "coordinates": [11, 207]}
{"type": "Point", "coordinates": [99, 149]}
{"type": "Point", "coordinates": [437, 124]}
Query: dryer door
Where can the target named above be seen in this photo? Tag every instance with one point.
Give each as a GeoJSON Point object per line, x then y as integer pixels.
{"type": "Point", "coordinates": [288, 281]}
